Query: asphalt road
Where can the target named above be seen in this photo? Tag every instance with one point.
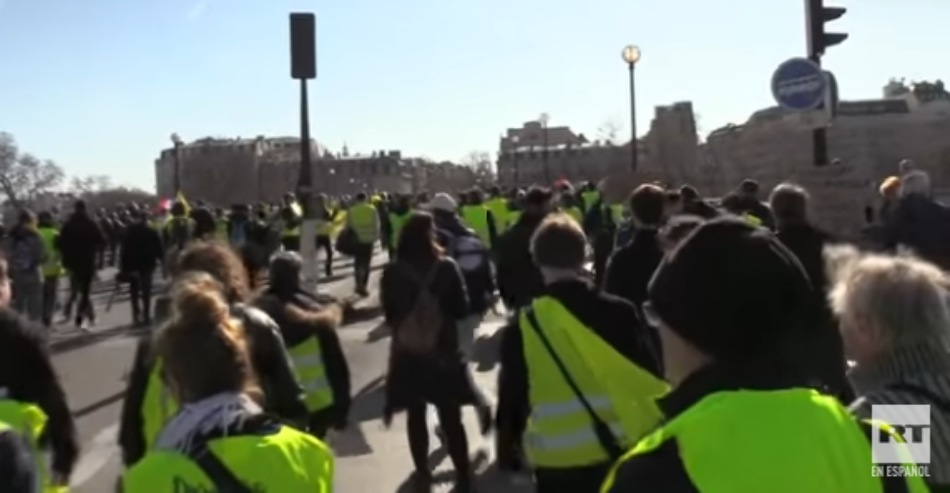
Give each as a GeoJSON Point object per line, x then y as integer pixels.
{"type": "Point", "coordinates": [371, 459]}
{"type": "Point", "coordinates": [93, 368]}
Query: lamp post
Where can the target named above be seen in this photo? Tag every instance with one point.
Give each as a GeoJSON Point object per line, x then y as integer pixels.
{"type": "Point", "coordinates": [515, 140]}
{"type": "Point", "coordinates": [631, 55]}
{"type": "Point", "coordinates": [177, 142]}
{"type": "Point", "coordinates": [543, 119]}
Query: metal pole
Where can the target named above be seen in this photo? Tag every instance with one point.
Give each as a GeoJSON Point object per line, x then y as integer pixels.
{"type": "Point", "coordinates": [304, 179]}
{"type": "Point", "coordinates": [547, 170]}
{"type": "Point", "coordinates": [634, 148]}
{"type": "Point", "coordinates": [177, 176]}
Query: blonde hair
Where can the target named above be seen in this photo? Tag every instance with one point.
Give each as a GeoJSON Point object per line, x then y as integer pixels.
{"type": "Point", "coordinates": [204, 351]}
{"type": "Point", "coordinates": [904, 297]}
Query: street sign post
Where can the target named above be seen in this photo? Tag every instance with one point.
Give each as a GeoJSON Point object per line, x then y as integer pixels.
{"type": "Point", "coordinates": [799, 84]}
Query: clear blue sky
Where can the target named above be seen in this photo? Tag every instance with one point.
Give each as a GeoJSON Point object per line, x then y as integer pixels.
{"type": "Point", "coordinates": [99, 85]}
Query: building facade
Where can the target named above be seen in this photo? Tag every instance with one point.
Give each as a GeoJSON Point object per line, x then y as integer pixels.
{"type": "Point", "coordinates": [868, 138]}
{"type": "Point", "coordinates": [668, 152]}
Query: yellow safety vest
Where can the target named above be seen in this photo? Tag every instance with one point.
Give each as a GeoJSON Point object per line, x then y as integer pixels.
{"type": "Point", "coordinates": [590, 198]}
{"type": "Point", "coordinates": [397, 221]}
{"type": "Point", "coordinates": [53, 267]}
{"type": "Point", "coordinates": [753, 220]}
{"type": "Point", "coordinates": [29, 421]}
{"type": "Point", "coordinates": [324, 224]}
{"type": "Point", "coordinates": [285, 461]}
{"type": "Point", "coordinates": [221, 229]}
{"type": "Point", "coordinates": [512, 218]}
{"type": "Point", "coordinates": [312, 374]}
{"type": "Point", "coordinates": [476, 217]}
{"type": "Point", "coordinates": [560, 432]}
{"type": "Point", "coordinates": [362, 218]}
{"type": "Point", "coordinates": [499, 209]}
{"type": "Point", "coordinates": [780, 441]}
{"type": "Point", "coordinates": [575, 214]}
{"type": "Point", "coordinates": [158, 406]}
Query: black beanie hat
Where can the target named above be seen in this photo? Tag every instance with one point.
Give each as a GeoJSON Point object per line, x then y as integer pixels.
{"type": "Point", "coordinates": [731, 289]}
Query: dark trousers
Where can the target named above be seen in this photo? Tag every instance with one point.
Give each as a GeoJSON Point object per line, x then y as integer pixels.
{"type": "Point", "coordinates": [362, 258]}
{"type": "Point", "coordinates": [290, 243]}
{"type": "Point", "coordinates": [50, 292]}
{"type": "Point", "coordinates": [456, 442]}
{"type": "Point", "coordinates": [140, 292]}
{"type": "Point", "coordinates": [81, 285]}
{"type": "Point", "coordinates": [323, 242]}
{"type": "Point", "coordinates": [570, 480]}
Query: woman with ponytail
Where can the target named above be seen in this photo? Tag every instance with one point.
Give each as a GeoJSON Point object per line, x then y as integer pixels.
{"type": "Point", "coordinates": [145, 412]}
{"type": "Point", "coordinates": [221, 439]}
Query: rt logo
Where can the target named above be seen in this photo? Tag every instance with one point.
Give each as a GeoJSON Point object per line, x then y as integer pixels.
{"type": "Point", "coordinates": [912, 423]}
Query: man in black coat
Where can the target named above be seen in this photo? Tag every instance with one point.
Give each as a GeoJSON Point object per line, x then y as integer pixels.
{"type": "Point", "coordinates": [141, 253]}
{"type": "Point", "coordinates": [80, 242]}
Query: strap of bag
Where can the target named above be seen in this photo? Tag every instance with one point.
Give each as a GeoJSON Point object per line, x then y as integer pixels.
{"type": "Point", "coordinates": [604, 434]}
{"type": "Point", "coordinates": [220, 474]}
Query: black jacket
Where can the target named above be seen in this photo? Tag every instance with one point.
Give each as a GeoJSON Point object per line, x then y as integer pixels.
{"type": "Point", "coordinates": [80, 241]}
{"type": "Point", "coordinates": [442, 378]}
{"type": "Point", "coordinates": [613, 319]}
{"type": "Point", "coordinates": [282, 392]}
{"type": "Point", "coordinates": [141, 249]}
{"type": "Point", "coordinates": [27, 374]}
{"type": "Point", "coordinates": [18, 472]}
{"type": "Point", "coordinates": [631, 268]}
{"type": "Point", "coordinates": [296, 329]}
{"type": "Point", "coordinates": [518, 278]}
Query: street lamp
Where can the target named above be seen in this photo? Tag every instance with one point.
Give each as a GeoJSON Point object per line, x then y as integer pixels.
{"type": "Point", "coordinates": [515, 140]}
{"type": "Point", "coordinates": [176, 140]}
{"type": "Point", "coordinates": [631, 55]}
{"type": "Point", "coordinates": [543, 119]}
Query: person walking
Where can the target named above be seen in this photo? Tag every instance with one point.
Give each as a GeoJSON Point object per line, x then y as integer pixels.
{"type": "Point", "coordinates": [25, 259]}
{"type": "Point", "coordinates": [80, 241]}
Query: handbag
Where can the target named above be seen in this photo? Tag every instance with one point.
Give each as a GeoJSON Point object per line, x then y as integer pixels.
{"type": "Point", "coordinates": [346, 242]}
{"type": "Point", "coordinates": [608, 441]}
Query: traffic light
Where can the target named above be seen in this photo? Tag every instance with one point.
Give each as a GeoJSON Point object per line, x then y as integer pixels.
{"type": "Point", "coordinates": [817, 15]}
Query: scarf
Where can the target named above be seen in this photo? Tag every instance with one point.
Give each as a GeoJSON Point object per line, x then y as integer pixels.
{"type": "Point", "coordinates": [217, 412]}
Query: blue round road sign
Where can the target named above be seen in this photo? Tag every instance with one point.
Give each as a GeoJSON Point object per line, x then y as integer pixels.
{"type": "Point", "coordinates": [799, 84]}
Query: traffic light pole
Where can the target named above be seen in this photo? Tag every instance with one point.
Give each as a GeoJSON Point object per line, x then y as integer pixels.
{"type": "Point", "coordinates": [817, 14]}
{"type": "Point", "coordinates": [819, 136]}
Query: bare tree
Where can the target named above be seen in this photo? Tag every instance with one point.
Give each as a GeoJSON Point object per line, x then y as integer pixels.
{"type": "Point", "coordinates": [81, 185]}
{"type": "Point", "coordinates": [609, 131]}
{"type": "Point", "coordinates": [483, 165]}
{"type": "Point", "coordinates": [24, 176]}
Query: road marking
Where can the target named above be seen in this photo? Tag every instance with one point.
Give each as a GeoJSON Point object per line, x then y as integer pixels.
{"type": "Point", "coordinates": [100, 450]}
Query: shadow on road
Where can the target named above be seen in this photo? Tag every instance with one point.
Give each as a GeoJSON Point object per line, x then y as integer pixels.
{"type": "Point", "coordinates": [361, 314]}
{"type": "Point", "coordinates": [368, 402]}
{"type": "Point", "coordinates": [379, 333]}
{"type": "Point", "coordinates": [100, 404]}
{"type": "Point", "coordinates": [82, 340]}
{"type": "Point", "coordinates": [489, 481]}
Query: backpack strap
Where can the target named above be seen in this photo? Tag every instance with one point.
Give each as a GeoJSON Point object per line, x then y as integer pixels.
{"type": "Point", "coordinates": [224, 480]}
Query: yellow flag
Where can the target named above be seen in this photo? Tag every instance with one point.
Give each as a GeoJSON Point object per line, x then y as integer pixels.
{"type": "Point", "coordinates": [180, 198]}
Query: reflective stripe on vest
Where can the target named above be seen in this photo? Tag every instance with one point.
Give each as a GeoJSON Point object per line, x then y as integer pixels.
{"type": "Point", "coordinates": [362, 219]}
{"type": "Point", "coordinates": [158, 406]}
{"type": "Point", "coordinates": [560, 432]}
{"type": "Point", "coordinates": [476, 217]}
{"type": "Point", "coordinates": [29, 421]}
{"type": "Point", "coordinates": [311, 374]}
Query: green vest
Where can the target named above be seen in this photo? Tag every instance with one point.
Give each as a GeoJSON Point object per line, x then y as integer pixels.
{"type": "Point", "coordinates": [362, 219]}
{"type": "Point", "coordinates": [575, 214]}
{"type": "Point", "coordinates": [499, 209]}
{"type": "Point", "coordinates": [29, 421]}
{"type": "Point", "coordinates": [221, 229]}
{"type": "Point", "coordinates": [590, 198]}
{"type": "Point", "coordinates": [476, 217]}
{"type": "Point", "coordinates": [560, 432]}
{"type": "Point", "coordinates": [312, 374]}
{"type": "Point", "coordinates": [397, 221]}
{"type": "Point", "coordinates": [512, 218]}
{"type": "Point", "coordinates": [285, 461]}
{"type": "Point", "coordinates": [158, 406]}
{"type": "Point", "coordinates": [781, 441]}
{"type": "Point", "coordinates": [53, 266]}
